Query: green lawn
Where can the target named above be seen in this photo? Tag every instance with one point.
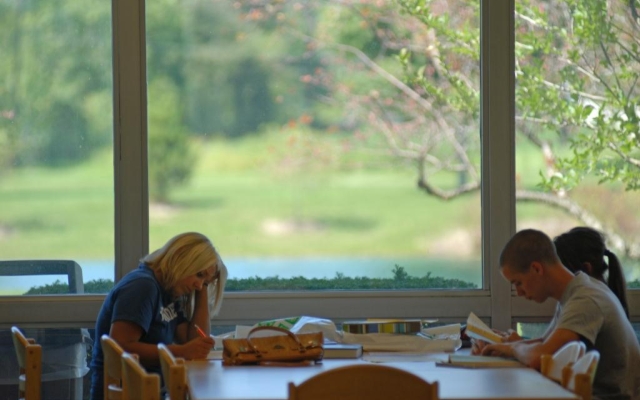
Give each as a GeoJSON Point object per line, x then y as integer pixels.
{"type": "Point", "coordinates": [281, 194]}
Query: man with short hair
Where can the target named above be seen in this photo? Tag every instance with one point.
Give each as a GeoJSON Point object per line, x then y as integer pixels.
{"type": "Point", "coordinates": [588, 311]}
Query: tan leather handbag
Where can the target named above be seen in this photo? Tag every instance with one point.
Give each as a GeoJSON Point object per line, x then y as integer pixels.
{"type": "Point", "coordinates": [288, 348]}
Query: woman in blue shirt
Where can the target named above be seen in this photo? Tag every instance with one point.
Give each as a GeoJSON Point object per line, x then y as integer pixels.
{"type": "Point", "coordinates": [175, 290]}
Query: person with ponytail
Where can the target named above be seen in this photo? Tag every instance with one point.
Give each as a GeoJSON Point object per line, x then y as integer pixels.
{"type": "Point", "coordinates": [584, 249]}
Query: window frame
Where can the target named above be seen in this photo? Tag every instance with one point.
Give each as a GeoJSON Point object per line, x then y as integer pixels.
{"type": "Point", "coordinates": [495, 301]}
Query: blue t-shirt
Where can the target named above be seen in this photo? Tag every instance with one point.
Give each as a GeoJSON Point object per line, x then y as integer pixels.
{"type": "Point", "coordinates": [140, 299]}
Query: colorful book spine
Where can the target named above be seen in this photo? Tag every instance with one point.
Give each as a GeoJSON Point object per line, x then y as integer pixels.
{"type": "Point", "coordinates": [400, 326]}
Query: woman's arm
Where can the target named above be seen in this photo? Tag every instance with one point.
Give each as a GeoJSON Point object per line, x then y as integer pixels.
{"type": "Point", "coordinates": [188, 331]}
{"type": "Point", "coordinates": [200, 314]}
{"type": "Point", "coordinates": [127, 335]}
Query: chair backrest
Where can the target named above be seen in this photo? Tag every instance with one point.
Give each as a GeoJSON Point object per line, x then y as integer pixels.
{"type": "Point", "coordinates": [579, 377]}
{"type": "Point", "coordinates": [112, 366]}
{"type": "Point", "coordinates": [30, 362]}
{"type": "Point", "coordinates": [69, 268]}
{"type": "Point", "coordinates": [552, 366]}
{"type": "Point", "coordinates": [174, 373]}
{"type": "Point", "coordinates": [137, 383]}
{"type": "Point", "coordinates": [364, 381]}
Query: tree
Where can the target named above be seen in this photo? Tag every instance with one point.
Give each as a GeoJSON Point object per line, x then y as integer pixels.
{"type": "Point", "coordinates": [577, 94]}
{"type": "Point", "coordinates": [171, 156]}
{"type": "Point", "coordinates": [576, 72]}
{"type": "Point", "coordinates": [53, 71]}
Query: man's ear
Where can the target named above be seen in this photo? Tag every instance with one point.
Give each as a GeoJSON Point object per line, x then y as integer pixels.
{"type": "Point", "coordinates": [537, 268]}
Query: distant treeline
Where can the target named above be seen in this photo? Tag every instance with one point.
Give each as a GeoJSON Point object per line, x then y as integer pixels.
{"type": "Point", "coordinates": [400, 280]}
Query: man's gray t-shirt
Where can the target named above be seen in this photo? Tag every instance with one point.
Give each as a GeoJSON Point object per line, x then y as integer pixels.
{"type": "Point", "coordinates": [591, 310]}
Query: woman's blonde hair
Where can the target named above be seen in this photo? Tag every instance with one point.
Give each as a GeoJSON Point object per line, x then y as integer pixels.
{"type": "Point", "coordinates": [184, 255]}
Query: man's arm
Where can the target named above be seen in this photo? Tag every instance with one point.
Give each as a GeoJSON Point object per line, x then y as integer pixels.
{"type": "Point", "coordinates": [529, 352]}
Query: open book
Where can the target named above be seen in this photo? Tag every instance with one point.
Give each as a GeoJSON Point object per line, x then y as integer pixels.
{"type": "Point", "coordinates": [479, 330]}
{"type": "Point", "coordinates": [468, 361]}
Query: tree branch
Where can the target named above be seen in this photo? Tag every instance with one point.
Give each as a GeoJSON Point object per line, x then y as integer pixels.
{"type": "Point", "coordinates": [617, 242]}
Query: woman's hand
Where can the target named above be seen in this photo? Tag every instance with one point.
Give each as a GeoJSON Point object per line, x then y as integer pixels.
{"type": "Point", "coordinates": [197, 348]}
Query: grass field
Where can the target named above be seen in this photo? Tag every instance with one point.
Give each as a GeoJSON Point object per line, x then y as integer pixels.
{"type": "Point", "coordinates": [291, 195]}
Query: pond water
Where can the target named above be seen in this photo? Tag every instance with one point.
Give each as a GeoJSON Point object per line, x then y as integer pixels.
{"type": "Point", "coordinates": [466, 270]}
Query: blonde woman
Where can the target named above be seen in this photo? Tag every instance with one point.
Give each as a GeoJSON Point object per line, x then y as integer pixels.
{"type": "Point", "coordinates": [168, 299]}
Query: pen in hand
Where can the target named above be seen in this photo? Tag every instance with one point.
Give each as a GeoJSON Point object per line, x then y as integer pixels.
{"type": "Point", "coordinates": [200, 331]}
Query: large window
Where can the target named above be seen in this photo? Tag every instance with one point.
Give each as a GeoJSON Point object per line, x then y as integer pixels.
{"type": "Point", "coordinates": [56, 145]}
{"type": "Point", "coordinates": [327, 140]}
{"type": "Point", "coordinates": [577, 121]}
{"type": "Point", "coordinates": [293, 135]}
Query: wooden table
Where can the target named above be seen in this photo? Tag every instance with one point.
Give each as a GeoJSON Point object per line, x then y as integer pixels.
{"type": "Point", "coordinates": [210, 380]}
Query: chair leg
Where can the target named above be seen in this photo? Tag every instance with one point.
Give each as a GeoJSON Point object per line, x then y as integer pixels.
{"type": "Point", "coordinates": [583, 386]}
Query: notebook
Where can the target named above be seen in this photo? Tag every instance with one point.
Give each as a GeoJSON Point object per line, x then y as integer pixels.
{"type": "Point", "coordinates": [468, 361]}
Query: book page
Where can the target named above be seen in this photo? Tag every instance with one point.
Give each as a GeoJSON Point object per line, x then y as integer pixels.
{"type": "Point", "coordinates": [479, 330]}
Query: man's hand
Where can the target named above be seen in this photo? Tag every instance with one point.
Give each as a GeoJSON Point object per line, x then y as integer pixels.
{"type": "Point", "coordinates": [509, 336]}
{"type": "Point", "coordinates": [477, 346]}
{"type": "Point", "coordinates": [498, 350]}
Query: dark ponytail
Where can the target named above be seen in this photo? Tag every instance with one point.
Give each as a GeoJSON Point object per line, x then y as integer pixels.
{"type": "Point", "coordinates": [583, 249]}
{"type": "Point", "coordinates": [616, 280]}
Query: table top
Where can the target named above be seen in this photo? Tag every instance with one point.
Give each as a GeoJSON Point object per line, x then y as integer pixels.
{"type": "Point", "coordinates": [210, 380]}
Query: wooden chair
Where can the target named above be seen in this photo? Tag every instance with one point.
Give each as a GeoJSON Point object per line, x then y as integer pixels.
{"type": "Point", "coordinates": [364, 381]}
{"type": "Point", "coordinates": [552, 366]}
{"type": "Point", "coordinates": [30, 362]}
{"type": "Point", "coordinates": [579, 376]}
{"type": "Point", "coordinates": [137, 383]}
{"type": "Point", "coordinates": [174, 373]}
{"type": "Point", "coordinates": [112, 365]}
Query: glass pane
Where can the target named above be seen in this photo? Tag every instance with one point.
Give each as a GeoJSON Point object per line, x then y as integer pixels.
{"type": "Point", "coordinates": [56, 146]}
{"type": "Point", "coordinates": [577, 122]}
{"type": "Point", "coordinates": [533, 330]}
{"type": "Point", "coordinates": [293, 134]}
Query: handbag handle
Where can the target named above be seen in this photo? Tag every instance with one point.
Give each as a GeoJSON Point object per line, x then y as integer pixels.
{"type": "Point", "coordinates": [301, 348]}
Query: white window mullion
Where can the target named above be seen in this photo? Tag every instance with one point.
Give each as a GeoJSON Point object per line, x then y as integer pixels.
{"type": "Point", "coordinates": [498, 148]}
{"type": "Point", "coordinates": [130, 134]}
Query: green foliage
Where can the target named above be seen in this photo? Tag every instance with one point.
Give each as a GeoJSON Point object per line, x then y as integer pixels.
{"type": "Point", "coordinates": [579, 64]}
{"type": "Point", "coordinates": [59, 287]}
{"type": "Point", "coordinates": [340, 282]}
{"type": "Point", "coordinates": [171, 156]}
{"type": "Point", "coordinates": [49, 66]}
{"type": "Point", "coordinates": [400, 280]}
{"type": "Point", "coordinates": [576, 71]}
{"type": "Point", "coordinates": [252, 100]}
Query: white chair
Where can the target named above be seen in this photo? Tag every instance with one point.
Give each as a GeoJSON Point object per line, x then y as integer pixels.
{"type": "Point", "coordinates": [174, 373]}
{"type": "Point", "coordinates": [364, 382]}
{"type": "Point", "coordinates": [551, 366]}
{"type": "Point", "coordinates": [579, 377]}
